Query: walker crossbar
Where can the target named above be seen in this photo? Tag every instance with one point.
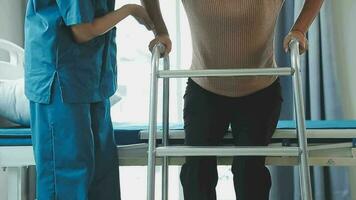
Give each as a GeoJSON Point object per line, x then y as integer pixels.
{"type": "Point", "coordinates": [285, 71]}
{"type": "Point", "coordinates": [226, 151]}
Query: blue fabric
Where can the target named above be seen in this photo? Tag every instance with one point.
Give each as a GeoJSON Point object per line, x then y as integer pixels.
{"type": "Point", "coordinates": [320, 124]}
{"type": "Point", "coordinates": [15, 132]}
{"type": "Point", "coordinates": [86, 71]}
{"type": "Point", "coordinates": [126, 133]}
{"type": "Point", "coordinates": [15, 141]}
{"type": "Point", "coordinates": [74, 150]}
{"type": "Point", "coordinates": [22, 137]}
{"type": "Point", "coordinates": [76, 11]}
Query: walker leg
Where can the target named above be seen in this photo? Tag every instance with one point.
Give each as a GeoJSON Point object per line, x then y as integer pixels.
{"type": "Point", "coordinates": [305, 183]}
{"type": "Point", "coordinates": [151, 166]}
{"type": "Point", "coordinates": [16, 183]}
{"type": "Point", "coordinates": [165, 133]}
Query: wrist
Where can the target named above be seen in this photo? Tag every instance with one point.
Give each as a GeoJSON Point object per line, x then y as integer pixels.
{"type": "Point", "coordinates": [129, 9]}
{"type": "Point", "coordinates": [162, 34]}
{"type": "Point", "coordinates": [298, 31]}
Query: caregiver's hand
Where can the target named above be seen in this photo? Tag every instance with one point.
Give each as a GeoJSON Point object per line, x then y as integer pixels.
{"type": "Point", "coordinates": [141, 15]}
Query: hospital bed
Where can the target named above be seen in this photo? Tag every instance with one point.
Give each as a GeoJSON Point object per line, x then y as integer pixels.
{"type": "Point", "coordinates": [331, 143]}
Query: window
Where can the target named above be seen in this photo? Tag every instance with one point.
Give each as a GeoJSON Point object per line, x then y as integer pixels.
{"type": "Point", "coordinates": [134, 70]}
{"type": "Point", "coordinates": [134, 64]}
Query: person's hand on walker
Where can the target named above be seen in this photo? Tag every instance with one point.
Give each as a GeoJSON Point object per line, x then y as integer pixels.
{"type": "Point", "coordinates": [300, 36]}
{"type": "Point", "coordinates": [165, 40]}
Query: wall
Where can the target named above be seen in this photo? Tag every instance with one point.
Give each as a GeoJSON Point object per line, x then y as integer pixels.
{"type": "Point", "coordinates": [11, 20]}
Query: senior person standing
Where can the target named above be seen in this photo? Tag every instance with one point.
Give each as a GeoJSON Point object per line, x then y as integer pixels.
{"type": "Point", "coordinates": [231, 34]}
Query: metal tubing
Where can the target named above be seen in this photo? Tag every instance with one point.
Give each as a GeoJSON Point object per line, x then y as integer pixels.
{"type": "Point", "coordinates": [179, 151]}
{"type": "Point", "coordinates": [165, 125]}
{"type": "Point", "coordinates": [282, 71]}
{"type": "Point", "coordinates": [17, 184]}
{"type": "Point", "coordinates": [305, 184]}
{"type": "Point", "coordinates": [153, 123]}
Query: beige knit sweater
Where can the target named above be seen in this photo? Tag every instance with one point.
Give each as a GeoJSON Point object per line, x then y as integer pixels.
{"type": "Point", "coordinates": [233, 34]}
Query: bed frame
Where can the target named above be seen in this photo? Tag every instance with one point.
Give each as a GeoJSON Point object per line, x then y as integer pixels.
{"type": "Point", "coordinates": [331, 143]}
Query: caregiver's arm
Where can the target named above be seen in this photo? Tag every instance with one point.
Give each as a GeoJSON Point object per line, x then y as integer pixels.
{"type": "Point", "coordinates": [160, 30]}
{"type": "Point", "coordinates": [87, 31]}
{"type": "Point", "coordinates": [310, 10]}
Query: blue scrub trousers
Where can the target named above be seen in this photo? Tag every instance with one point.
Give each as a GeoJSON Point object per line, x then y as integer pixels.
{"type": "Point", "coordinates": [74, 148]}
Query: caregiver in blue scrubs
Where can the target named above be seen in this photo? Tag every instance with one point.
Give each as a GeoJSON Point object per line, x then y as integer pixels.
{"type": "Point", "coordinates": [70, 73]}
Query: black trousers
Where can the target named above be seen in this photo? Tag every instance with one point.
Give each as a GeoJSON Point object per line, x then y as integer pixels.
{"type": "Point", "coordinates": [253, 120]}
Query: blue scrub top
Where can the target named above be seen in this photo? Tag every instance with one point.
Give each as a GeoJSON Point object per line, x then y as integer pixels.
{"type": "Point", "coordinates": [87, 72]}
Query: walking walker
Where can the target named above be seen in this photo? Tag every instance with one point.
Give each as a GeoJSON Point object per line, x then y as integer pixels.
{"type": "Point", "coordinates": [166, 151]}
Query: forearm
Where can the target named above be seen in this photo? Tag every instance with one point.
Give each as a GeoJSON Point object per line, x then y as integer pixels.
{"type": "Point", "coordinates": [101, 25]}
{"type": "Point", "coordinates": [310, 10]}
{"type": "Point", "coordinates": [154, 11]}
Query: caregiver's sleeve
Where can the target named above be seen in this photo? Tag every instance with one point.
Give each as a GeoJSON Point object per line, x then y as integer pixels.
{"type": "Point", "coordinates": [76, 11]}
